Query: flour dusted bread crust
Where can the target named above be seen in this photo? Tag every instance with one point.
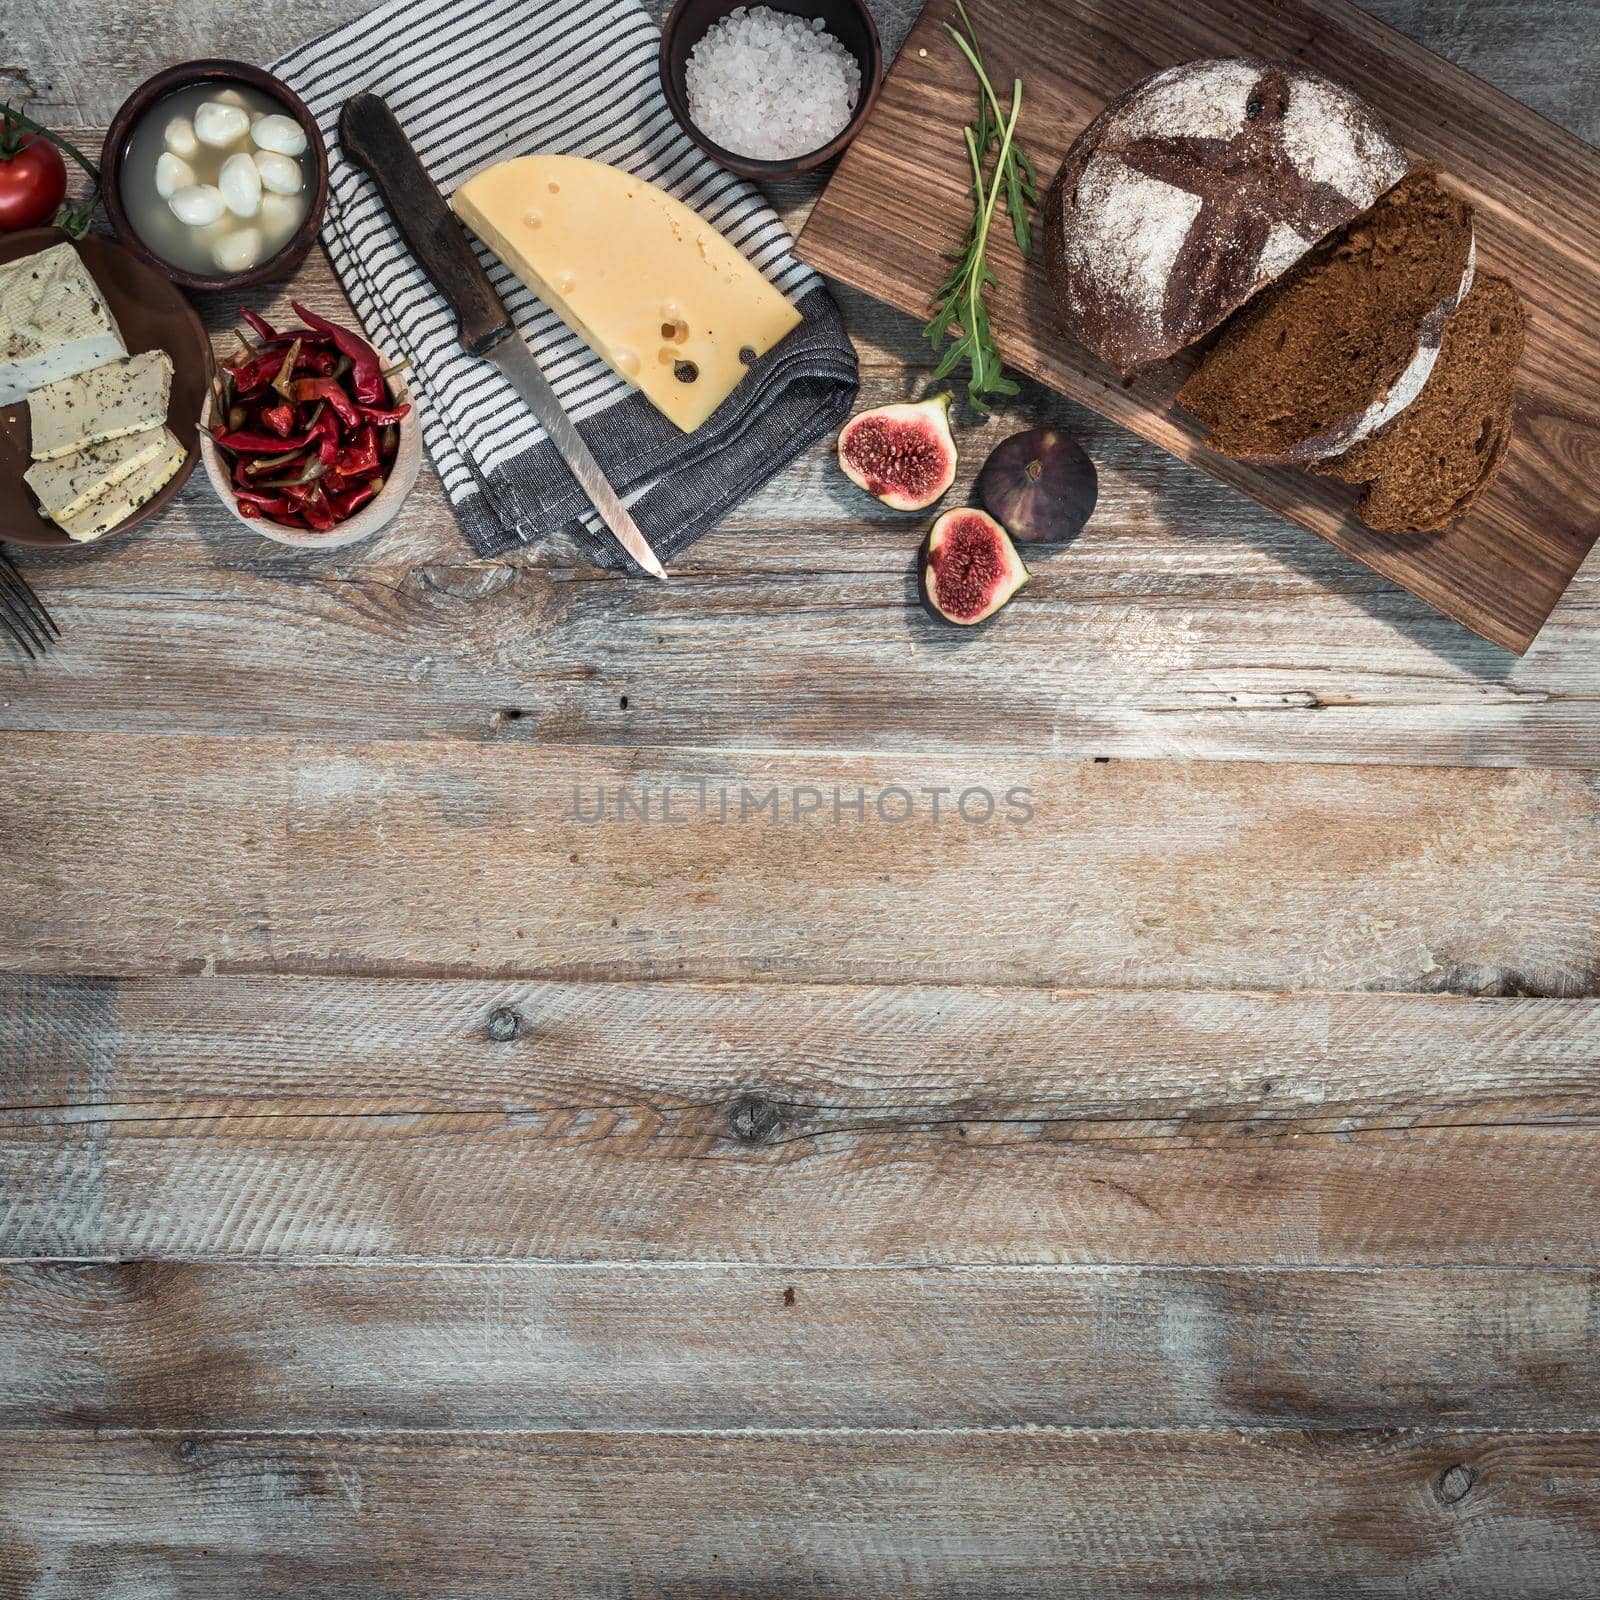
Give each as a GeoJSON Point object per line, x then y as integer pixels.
{"type": "Point", "coordinates": [1196, 188]}
{"type": "Point", "coordinates": [1345, 341]}
{"type": "Point", "coordinates": [1428, 466]}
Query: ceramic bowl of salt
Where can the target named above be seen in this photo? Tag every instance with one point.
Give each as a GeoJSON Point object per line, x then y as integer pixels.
{"type": "Point", "coordinates": [774, 89]}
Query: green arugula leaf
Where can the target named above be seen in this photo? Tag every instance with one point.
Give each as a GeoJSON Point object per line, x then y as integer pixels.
{"type": "Point", "coordinates": [960, 326]}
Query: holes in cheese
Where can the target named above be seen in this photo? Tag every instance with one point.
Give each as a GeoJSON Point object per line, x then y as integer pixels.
{"type": "Point", "coordinates": [630, 269]}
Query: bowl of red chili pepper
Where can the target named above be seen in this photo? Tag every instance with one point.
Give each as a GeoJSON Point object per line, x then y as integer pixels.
{"type": "Point", "coordinates": [309, 435]}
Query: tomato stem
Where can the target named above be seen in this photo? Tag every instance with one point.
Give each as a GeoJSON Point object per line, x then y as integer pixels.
{"type": "Point", "coordinates": [74, 217]}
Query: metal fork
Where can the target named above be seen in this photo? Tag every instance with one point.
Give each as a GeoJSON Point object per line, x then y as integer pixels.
{"type": "Point", "coordinates": [22, 612]}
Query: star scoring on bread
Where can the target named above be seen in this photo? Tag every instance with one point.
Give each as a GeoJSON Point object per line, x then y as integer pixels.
{"type": "Point", "coordinates": [1248, 185]}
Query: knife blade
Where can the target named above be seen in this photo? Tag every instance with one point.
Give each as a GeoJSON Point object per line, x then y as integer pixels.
{"type": "Point", "coordinates": [373, 138]}
{"type": "Point", "coordinates": [525, 375]}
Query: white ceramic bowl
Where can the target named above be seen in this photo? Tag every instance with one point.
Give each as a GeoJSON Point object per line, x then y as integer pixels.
{"type": "Point", "coordinates": [372, 518]}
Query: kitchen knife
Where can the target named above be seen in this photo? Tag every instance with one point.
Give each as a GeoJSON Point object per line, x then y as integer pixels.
{"type": "Point", "coordinates": [376, 142]}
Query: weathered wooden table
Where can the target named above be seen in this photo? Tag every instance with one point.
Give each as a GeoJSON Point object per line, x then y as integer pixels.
{"type": "Point", "coordinates": [408, 1188]}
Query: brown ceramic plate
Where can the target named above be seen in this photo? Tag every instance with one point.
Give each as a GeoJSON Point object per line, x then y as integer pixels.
{"type": "Point", "coordinates": [153, 315]}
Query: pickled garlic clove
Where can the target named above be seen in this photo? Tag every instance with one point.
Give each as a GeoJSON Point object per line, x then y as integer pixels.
{"type": "Point", "coordinates": [280, 134]}
{"type": "Point", "coordinates": [279, 173]}
{"type": "Point", "coordinates": [172, 174]}
{"type": "Point", "coordinates": [219, 125]}
{"type": "Point", "coordinates": [180, 139]}
{"type": "Point", "coordinates": [197, 204]}
{"type": "Point", "coordinates": [241, 185]}
{"type": "Point", "coordinates": [238, 251]}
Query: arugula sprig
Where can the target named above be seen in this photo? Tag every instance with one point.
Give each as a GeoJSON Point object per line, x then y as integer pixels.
{"type": "Point", "coordinates": [960, 325]}
{"type": "Point", "coordinates": [1021, 180]}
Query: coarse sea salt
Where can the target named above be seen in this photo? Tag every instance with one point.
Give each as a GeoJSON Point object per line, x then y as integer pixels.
{"type": "Point", "coordinates": [769, 86]}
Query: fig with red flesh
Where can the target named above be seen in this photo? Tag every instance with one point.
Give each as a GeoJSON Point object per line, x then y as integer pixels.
{"type": "Point", "coordinates": [905, 454]}
{"type": "Point", "coordinates": [968, 568]}
{"type": "Point", "coordinates": [1040, 485]}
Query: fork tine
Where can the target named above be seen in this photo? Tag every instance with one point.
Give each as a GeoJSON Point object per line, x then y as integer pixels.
{"type": "Point", "coordinates": [30, 598]}
{"type": "Point", "coordinates": [19, 613]}
{"type": "Point", "coordinates": [16, 633]}
{"type": "Point", "coordinates": [19, 616]}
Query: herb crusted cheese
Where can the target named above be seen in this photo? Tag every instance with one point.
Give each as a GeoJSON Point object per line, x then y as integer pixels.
{"type": "Point", "coordinates": [109, 402]}
{"type": "Point", "coordinates": [54, 322]}
{"type": "Point", "coordinates": [113, 506]}
{"type": "Point", "coordinates": [66, 486]}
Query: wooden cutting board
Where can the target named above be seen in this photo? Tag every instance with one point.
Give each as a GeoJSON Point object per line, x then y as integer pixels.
{"type": "Point", "coordinates": [900, 197]}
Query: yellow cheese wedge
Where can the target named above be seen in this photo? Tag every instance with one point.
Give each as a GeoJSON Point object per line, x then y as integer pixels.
{"type": "Point", "coordinates": [648, 284]}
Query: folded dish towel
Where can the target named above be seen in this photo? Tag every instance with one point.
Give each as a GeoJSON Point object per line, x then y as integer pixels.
{"type": "Point", "coordinates": [477, 84]}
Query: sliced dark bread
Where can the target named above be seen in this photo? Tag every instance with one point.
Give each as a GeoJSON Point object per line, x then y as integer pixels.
{"type": "Point", "coordinates": [1347, 339]}
{"type": "Point", "coordinates": [1427, 466]}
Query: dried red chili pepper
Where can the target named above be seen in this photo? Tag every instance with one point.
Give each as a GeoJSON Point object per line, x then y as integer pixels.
{"type": "Point", "coordinates": [325, 430]}
{"type": "Point", "coordinates": [381, 417]}
{"type": "Point", "coordinates": [254, 374]}
{"type": "Point", "coordinates": [279, 418]}
{"type": "Point", "coordinates": [318, 362]}
{"type": "Point", "coordinates": [254, 466]}
{"type": "Point", "coordinates": [365, 369]}
{"type": "Point", "coordinates": [283, 382]}
{"type": "Point", "coordinates": [350, 501]}
{"type": "Point", "coordinates": [316, 510]}
{"type": "Point", "coordinates": [330, 390]}
{"type": "Point", "coordinates": [258, 322]}
{"type": "Point", "coordinates": [308, 474]}
{"type": "Point", "coordinates": [243, 442]}
{"type": "Point", "coordinates": [359, 459]}
{"type": "Point", "coordinates": [275, 505]}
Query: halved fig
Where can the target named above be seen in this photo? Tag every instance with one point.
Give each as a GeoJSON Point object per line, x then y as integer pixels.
{"type": "Point", "coordinates": [905, 454]}
{"type": "Point", "coordinates": [1040, 485]}
{"type": "Point", "coordinates": [968, 568]}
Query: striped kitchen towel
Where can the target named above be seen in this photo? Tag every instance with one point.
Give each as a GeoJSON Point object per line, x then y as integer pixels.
{"type": "Point", "coordinates": [478, 83]}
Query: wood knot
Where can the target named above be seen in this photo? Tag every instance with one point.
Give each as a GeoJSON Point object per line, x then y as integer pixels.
{"type": "Point", "coordinates": [186, 1449]}
{"type": "Point", "coordinates": [1454, 1484]}
{"type": "Point", "coordinates": [504, 1025]}
{"type": "Point", "coordinates": [753, 1119]}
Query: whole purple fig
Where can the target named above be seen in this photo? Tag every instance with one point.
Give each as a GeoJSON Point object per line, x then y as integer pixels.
{"type": "Point", "coordinates": [1040, 485]}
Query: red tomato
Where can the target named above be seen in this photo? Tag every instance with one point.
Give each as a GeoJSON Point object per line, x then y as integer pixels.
{"type": "Point", "coordinates": [33, 183]}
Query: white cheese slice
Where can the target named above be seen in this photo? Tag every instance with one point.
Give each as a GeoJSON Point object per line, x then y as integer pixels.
{"type": "Point", "coordinates": [112, 507]}
{"type": "Point", "coordinates": [104, 403]}
{"type": "Point", "coordinates": [53, 322]}
{"type": "Point", "coordinates": [66, 486]}
{"type": "Point", "coordinates": [651, 286]}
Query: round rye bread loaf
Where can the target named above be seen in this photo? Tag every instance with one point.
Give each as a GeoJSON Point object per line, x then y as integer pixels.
{"type": "Point", "coordinates": [1197, 187]}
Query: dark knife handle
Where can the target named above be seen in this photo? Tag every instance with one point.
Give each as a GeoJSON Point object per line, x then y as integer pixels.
{"type": "Point", "coordinates": [376, 142]}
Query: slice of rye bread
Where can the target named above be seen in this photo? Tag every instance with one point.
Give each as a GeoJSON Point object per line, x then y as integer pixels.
{"type": "Point", "coordinates": [1347, 339]}
{"type": "Point", "coordinates": [1428, 466]}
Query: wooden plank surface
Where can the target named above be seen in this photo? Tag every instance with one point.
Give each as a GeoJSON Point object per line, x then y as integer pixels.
{"type": "Point", "coordinates": [281, 1119]}
{"type": "Point", "coordinates": [467, 1273]}
{"type": "Point", "coordinates": [1176, 628]}
{"type": "Point", "coordinates": [766, 1514]}
{"type": "Point", "coordinates": [298, 855]}
{"type": "Point", "coordinates": [148, 1345]}
{"type": "Point", "coordinates": [1501, 569]}
{"type": "Point", "coordinates": [1185, 623]}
